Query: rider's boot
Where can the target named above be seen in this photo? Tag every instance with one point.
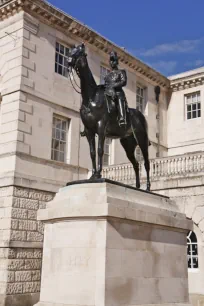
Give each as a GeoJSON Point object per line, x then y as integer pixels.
{"type": "Point", "coordinates": [122, 113]}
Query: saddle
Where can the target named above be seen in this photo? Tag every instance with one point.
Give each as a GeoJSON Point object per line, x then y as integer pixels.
{"type": "Point", "coordinates": [111, 103]}
{"type": "Point", "coordinates": [104, 92]}
{"type": "Point", "coordinates": [99, 99]}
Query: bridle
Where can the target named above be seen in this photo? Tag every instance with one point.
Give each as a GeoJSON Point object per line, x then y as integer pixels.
{"type": "Point", "coordinates": [77, 71]}
{"type": "Point", "coordinates": [71, 72]}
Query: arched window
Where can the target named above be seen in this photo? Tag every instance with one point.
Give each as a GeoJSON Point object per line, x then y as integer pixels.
{"type": "Point", "coordinates": [192, 250]}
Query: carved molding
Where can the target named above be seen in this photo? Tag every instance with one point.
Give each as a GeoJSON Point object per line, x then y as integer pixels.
{"type": "Point", "coordinates": [188, 82]}
{"type": "Point", "coordinates": [56, 18]}
{"type": "Point", "coordinates": [2, 2]}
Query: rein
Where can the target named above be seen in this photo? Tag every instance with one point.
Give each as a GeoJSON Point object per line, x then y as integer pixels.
{"type": "Point", "coordinates": [79, 92]}
{"type": "Point", "coordinates": [69, 73]}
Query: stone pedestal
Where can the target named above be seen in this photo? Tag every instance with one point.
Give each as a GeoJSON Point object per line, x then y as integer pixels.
{"type": "Point", "coordinates": [110, 244]}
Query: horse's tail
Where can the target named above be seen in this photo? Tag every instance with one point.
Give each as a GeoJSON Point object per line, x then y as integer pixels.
{"type": "Point", "coordinates": [139, 123]}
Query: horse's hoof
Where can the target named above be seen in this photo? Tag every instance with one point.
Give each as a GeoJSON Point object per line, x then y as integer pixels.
{"type": "Point", "coordinates": [95, 176]}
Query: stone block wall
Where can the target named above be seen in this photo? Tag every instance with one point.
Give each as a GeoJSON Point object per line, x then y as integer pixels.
{"type": "Point", "coordinates": [14, 123]}
{"type": "Point", "coordinates": [20, 270]}
{"type": "Point", "coordinates": [20, 245]}
{"type": "Point", "coordinates": [12, 53]}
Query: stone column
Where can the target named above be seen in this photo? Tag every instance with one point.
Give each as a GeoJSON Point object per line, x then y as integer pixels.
{"type": "Point", "coordinates": [110, 244]}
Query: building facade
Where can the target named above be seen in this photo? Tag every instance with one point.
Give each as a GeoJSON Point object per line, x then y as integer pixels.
{"type": "Point", "coordinates": [185, 114]}
{"type": "Point", "coordinates": [180, 175]}
{"type": "Point", "coordinates": [40, 144]}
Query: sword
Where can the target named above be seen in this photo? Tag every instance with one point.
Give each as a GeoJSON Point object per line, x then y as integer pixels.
{"type": "Point", "coordinates": [107, 102]}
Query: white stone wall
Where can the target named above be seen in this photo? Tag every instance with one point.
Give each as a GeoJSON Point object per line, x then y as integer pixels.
{"type": "Point", "coordinates": [50, 85]}
{"type": "Point", "coordinates": [11, 50]}
{"type": "Point", "coordinates": [32, 92]}
{"type": "Point", "coordinates": [188, 193]}
{"type": "Point", "coordinates": [28, 106]}
{"type": "Point", "coordinates": [185, 135]}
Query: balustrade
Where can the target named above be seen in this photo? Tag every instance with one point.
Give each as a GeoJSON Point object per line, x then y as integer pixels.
{"type": "Point", "coordinates": [159, 167]}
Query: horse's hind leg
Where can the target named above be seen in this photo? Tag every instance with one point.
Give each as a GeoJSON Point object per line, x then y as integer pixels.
{"type": "Point", "coordinates": [92, 145]}
{"type": "Point", "coordinates": [129, 144]}
{"type": "Point", "coordinates": [143, 143]}
{"type": "Point", "coordinates": [139, 127]}
{"type": "Point", "coordinates": [144, 149]}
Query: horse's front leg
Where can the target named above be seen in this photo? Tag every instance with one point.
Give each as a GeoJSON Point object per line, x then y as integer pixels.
{"type": "Point", "coordinates": [92, 145]}
{"type": "Point", "coordinates": [101, 139]}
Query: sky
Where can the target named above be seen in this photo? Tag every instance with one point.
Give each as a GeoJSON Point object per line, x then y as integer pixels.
{"type": "Point", "coordinates": [168, 35]}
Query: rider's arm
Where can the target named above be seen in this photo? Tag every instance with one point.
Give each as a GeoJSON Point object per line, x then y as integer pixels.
{"type": "Point", "coordinates": [123, 80]}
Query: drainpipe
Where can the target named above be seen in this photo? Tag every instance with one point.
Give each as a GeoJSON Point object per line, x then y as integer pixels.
{"type": "Point", "coordinates": [157, 91]}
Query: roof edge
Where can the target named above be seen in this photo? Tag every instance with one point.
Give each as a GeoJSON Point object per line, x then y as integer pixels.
{"type": "Point", "coordinates": [55, 17]}
{"type": "Point", "coordinates": [188, 79]}
{"type": "Point", "coordinates": [188, 73]}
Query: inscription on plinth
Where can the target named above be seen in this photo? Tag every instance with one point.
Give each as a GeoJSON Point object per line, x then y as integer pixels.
{"type": "Point", "coordinates": [67, 261]}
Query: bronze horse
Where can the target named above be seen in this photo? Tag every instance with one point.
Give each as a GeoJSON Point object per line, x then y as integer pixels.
{"type": "Point", "coordinates": [98, 119]}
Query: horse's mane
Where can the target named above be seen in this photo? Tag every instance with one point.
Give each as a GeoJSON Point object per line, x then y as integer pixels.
{"type": "Point", "coordinates": [91, 78]}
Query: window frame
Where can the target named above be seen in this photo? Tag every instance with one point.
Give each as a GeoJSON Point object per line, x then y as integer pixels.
{"type": "Point", "coordinates": [190, 243]}
{"type": "Point", "coordinates": [64, 56]}
{"type": "Point", "coordinates": [61, 140]}
{"type": "Point", "coordinates": [141, 87]}
{"type": "Point", "coordinates": [197, 109]}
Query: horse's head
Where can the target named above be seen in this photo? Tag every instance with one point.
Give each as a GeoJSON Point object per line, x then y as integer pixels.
{"type": "Point", "coordinates": [76, 54]}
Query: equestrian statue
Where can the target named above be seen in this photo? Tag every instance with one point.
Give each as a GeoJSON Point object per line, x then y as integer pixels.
{"type": "Point", "coordinates": [104, 112]}
{"type": "Point", "coordinates": [114, 81]}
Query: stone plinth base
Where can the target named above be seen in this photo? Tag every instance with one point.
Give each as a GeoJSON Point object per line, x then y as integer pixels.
{"type": "Point", "coordinates": [107, 244]}
{"type": "Point", "coordinates": [19, 299]}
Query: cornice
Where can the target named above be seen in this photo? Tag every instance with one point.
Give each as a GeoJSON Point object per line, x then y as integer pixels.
{"type": "Point", "coordinates": [48, 14]}
{"type": "Point", "coordinates": [2, 2]}
{"type": "Point", "coordinates": [187, 82]}
{"type": "Point", "coordinates": [31, 24]}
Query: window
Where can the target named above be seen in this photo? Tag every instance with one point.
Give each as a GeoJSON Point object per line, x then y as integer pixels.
{"type": "Point", "coordinates": [104, 71]}
{"type": "Point", "coordinates": [193, 105]}
{"type": "Point", "coordinates": [61, 55]}
{"type": "Point", "coordinates": [140, 96]}
{"type": "Point", "coordinates": [107, 152]}
{"type": "Point", "coordinates": [59, 137]}
{"type": "Point", "coordinates": [192, 250]}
